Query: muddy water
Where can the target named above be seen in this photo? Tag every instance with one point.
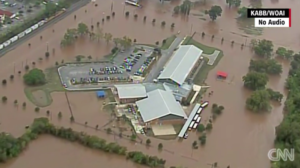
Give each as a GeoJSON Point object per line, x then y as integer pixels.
{"type": "Point", "coordinates": [239, 138]}
{"type": "Point", "coordinates": [50, 152]}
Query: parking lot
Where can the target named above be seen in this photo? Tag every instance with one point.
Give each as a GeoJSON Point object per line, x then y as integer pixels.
{"type": "Point", "coordinates": [104, 74]}
{"type": "Point", "coordinates": [134, 60]}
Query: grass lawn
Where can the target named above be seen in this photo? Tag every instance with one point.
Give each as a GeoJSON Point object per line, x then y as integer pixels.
{"type": "Point", "coordinates": [206, 49]}
{"type": "Point", "coordinates": [203, 72]}
{"type": "Point", "coordinates": [53, 84]}
{"type": "Point", "coordinates": [168, 43]}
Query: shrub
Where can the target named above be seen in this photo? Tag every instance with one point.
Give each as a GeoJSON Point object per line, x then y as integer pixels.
{"type": "Point", "coordinates": [26, 67]}
{"type": "Point", "coordinates": [59, 115]}
{"type": "Point", "coordinates": [47, 54]}
{"type": "Point", "coordinates": [4, 99]}
{"type": "Point", "coordinates": [4, 82]}
{"type": "Point", "coordinates": [148, 142]}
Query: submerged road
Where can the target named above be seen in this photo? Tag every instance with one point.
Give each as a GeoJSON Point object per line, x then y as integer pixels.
{"type": "Point", "coordinates": [70, 10]}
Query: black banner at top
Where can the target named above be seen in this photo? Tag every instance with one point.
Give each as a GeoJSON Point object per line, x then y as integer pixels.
{"type": "Point", "coordinates": [268, 13]}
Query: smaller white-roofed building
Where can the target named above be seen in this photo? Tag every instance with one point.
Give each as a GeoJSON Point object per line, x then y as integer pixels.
{"type": "Point", "coordinates": [130, 93]}
{"type": "Point", "coordinates": [160, 108]}
{"type": "Point", "coordinates": [181, 65]}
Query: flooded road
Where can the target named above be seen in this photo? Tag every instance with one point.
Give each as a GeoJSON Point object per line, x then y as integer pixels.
{"type": "Point", "coordinates": [49, 152]}
{"type": "Point", "coordinates": [239, 138]}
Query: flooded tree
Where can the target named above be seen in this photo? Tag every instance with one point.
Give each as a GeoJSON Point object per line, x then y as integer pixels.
{"type": "Point", "coordinates": [274, 95]}
{"type": "Point", "coordinates": [47, 112]}
{"type": "Point", "coordinates": [264, 48]}
{"type": "Point", "coordinates": [26, 67]}
{"type": "Point", "coordinates": [185, 7]}
{"type": "Point", "coordinates": [24, 104]}
{"type": "Point", "coordinates": [16, 102]}
{"type": "Point", "coordinates": [4, 99]}
{"type": "Point", "coordinates": [135, 16]}
{"type": "Point", "coordinates": [201, 128]}
{"type": "Point", "coordinates": [69, 37]}
{"type": "Point", "coordinates": [195, 145]}
{"type": "Point", "coordinates": [59, 115]}
{"type": "Point", "coordinates": [4, 82]}
{"type": "Point", "coordinates": [163, 23]}
{"type": "Point", "coordinates": [202, 139]}
{"type": "Point", "coordinates": [34, 77]}
{"type": "Point", "coordinates": [11, 77]}
{"type": "Point", "coordinates": [235, 3]}
{"type": "Point", "coordinates": [153, 21]}
{"type": "Point", "coordinates": [160, 146]}
{"type": "Point", "coordinates": [36, 109]}
{"type": "Point", "coordinates": [148, 142]}
{"type": "Point", "coordinates": [145, 18]}
{"type": "Point", "coordinates": [157, 43]}
{"type": "Point", "coordinates": [75, 17]}
{"type": "Point", "coordinates": [82, 29]}
{"type": "Point", "coordinates": [98, 24]}
{"type": "Point", "coordinates": [108, 17]}
{"type": "Point", "coordinates": [72, 119]}
{"type": "Point", "coordinates": [172, 25]}
{"type": "Point", "coordinates": [108, 37]}
{"type": "Point", "coordinates": [47, 54]}
{"type": "Point", "coordinates": [176, 10]}
{"type": "Point", "coordinates": [259, 101]}
{"type": "Point", "coordinates": [209, 126]}
{"type": "Point", "coordinates": [255, 80]}
{"type": "Point", "coordinates": [269, 66]}
{"type": "Point", "coordinates": [214, 12]}
{"type": "Point", "coordinates": [284, 53]}
{"type": "Point", "coordinates": [127, 14]}
{"type": "Point", "coordinates": [92, 27]}
{"type": "Point", "coordinates": [243, 12]}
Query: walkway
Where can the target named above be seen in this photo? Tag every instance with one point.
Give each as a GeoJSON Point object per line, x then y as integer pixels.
{"type": "Point", "coordinates": [212, 57]}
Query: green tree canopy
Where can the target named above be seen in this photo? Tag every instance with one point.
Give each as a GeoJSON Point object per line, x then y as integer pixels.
{"type": "Point", "coordinates": [288, 132]}
{"type": "Point", "coordinates": [269, 66]}
{"type": "Point", "coordinates": [263, 48]}
{"type": "Point", "coordinates": [35, 77]}
{"type": "Point", "coordinates": [214, 12]}
{"type": "Point", "coordinates": [284, 53]}
{"type": "Point", "coordinates": [255, 80]}
{"type": "Point", "coordinates": [259, 101]}
{"type": "Point", "coordinates": [235, 3]}
{"type": "Point", "coordinates": [242, 12]}
{"type": "Point", "coordinates": [82, 29]}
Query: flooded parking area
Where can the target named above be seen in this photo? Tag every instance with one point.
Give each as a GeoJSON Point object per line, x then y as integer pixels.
{"type": "Point", "coordinates": [49, 152]}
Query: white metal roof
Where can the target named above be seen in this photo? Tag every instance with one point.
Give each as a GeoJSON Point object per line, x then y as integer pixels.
{"type": "Point", "coordinates": [181, 64]}
{"type": "Point", "coordinates": [159, 103]}
{"type": "Point", "coordinates": [131, 91]}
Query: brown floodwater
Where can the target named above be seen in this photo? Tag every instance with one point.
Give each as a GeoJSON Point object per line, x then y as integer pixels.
{"type": "Point", "coordinates": [239, 138]}
{"type": "Point", "coordinates": [61, 153]}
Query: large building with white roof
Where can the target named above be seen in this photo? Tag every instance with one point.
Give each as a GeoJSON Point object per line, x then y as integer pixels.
{"type": "Point", "coordinates": [130, 93]}
{"type": "Point", "coordinates": [160, 107]}
{"type": "Point", "coordinates": [182, 63]}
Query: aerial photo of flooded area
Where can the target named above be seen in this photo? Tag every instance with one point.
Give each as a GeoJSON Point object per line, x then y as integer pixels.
{"type": "Point", "coordinates": [148, 83]}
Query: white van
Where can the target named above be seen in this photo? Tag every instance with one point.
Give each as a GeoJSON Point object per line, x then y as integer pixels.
{"type": "Point", "coordinates": [195, 126]}
{"type": "Point", "coordinates": [198, 120]}
{"type": "Point", "coordinates": [205, 104]}
{"type": "Point", "coordinates": [196, 116]}
{"type": "Point", "coordinates": [199, 110]}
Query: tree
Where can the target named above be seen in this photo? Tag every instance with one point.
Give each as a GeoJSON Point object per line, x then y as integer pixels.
{"type": "Point", "coordinates": [148, 142]}
{"type": "Point", "coordinates": [185, 7]}
{"type": "Point", "coordinates": [201, 128]}
{"type": "Point", "coordinates": [209, 126]}
{"type": "Point", "coordinates": [214, 12]}
{"type": "Point", "coordinates": [255, 80]}
{"type": "Point", "coordinates": [264, 48]}
{"type": "Point", "coordinates": [160, 146]}
{"type": "Point", "coordinates": [4, 99]}
{"type": "Point", "coordinates": [270, 66]}
{"type": "Point", "coordinates": [82, 29]}
{"type": "Point", "coordinates": [108, 37]}
{"type": "Point", "coordinates": [284, 53]}
{"type": "Point", "coordinates": [176, 10]}
{"type": "Point", "coordinates": [235, 3]}
{"type": "Point", "coordinates": [59, 115]}
{"type": "Point", "coordinates": [35, 77]}
{"type": "Point", "coordinates": [258, 101]}
{"type": "Point", "coordinates": [47, 54]}
{"type": "Point", "coordinates": [243, 12]}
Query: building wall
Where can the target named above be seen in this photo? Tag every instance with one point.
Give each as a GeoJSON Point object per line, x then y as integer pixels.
{"type": "Point", "coordinates": [132, 100]}
{"type": "Point", "coordinates": [170, 119]}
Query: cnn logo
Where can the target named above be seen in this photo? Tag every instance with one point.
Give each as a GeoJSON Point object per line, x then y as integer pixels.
{"type": "Point", "coordinates": [278, 154]}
